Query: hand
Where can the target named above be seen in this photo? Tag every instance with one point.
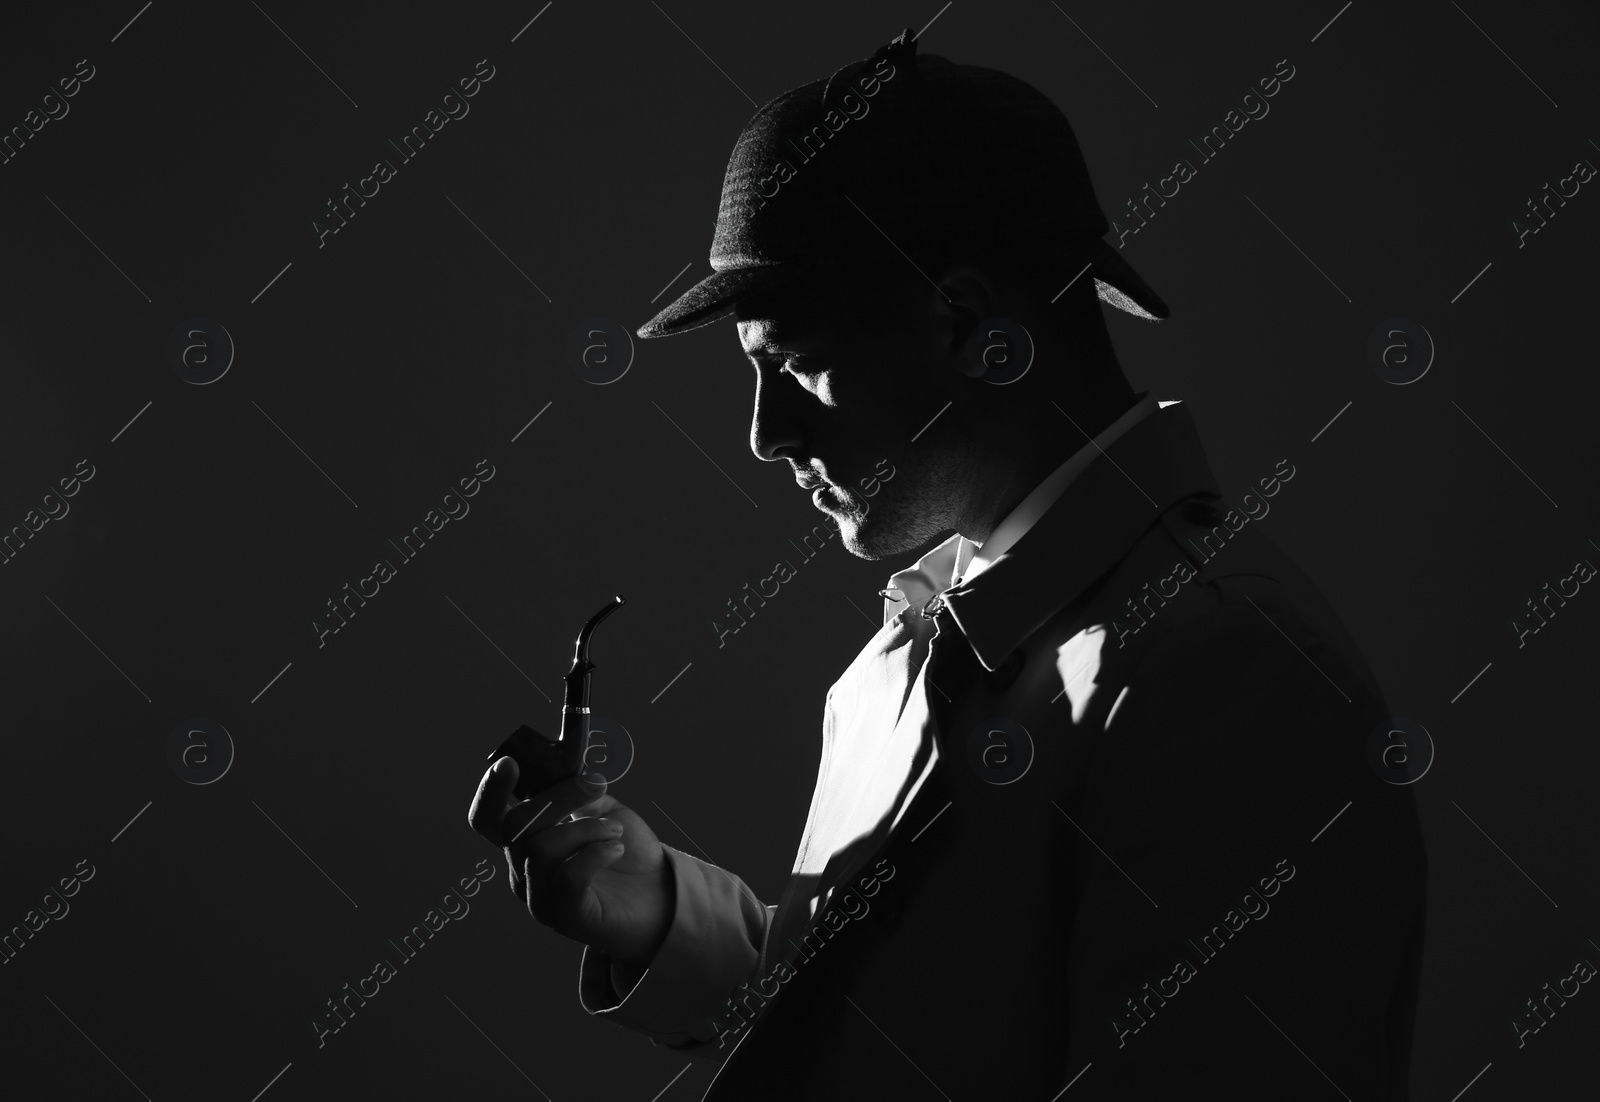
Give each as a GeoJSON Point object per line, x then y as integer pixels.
{"type": "Point", "coordinates": [601, 878]}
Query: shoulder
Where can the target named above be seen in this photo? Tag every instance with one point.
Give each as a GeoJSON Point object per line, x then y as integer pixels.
{"type": "Point", "coordinates": [1202, 611]}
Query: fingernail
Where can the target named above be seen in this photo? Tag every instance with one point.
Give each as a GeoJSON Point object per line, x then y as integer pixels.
{"type": "Point", "coordinates": [502, 767]}
{"type": "Point", "coordinates": [598, 780]}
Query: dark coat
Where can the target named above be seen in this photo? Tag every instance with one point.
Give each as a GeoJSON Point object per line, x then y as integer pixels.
{"type": "Point", "coordinates": [1199, 888]}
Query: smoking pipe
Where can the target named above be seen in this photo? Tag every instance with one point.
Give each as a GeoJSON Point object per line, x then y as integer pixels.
{"type": "Point", "coordinates": [541, 760]}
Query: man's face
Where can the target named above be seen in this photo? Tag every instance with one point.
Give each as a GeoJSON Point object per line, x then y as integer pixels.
{"type": "Point", "coordinates": [849, 367]}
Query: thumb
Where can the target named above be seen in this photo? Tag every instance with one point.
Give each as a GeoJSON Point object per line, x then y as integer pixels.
{"type": "Point", "coordinates": [493, 799]}
{"type": "Point", "coordinates": [505, 773]}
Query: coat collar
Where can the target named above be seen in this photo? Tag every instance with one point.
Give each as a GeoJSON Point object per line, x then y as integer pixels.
{"type": "Point", "coordinates": [1118, 496]}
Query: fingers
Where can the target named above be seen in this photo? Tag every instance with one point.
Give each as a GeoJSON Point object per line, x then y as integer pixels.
{"type": "Point", "coordinates": [560, 863]}
{"type": "Point", "coordinates": [575, 794]}
{"type": "Point", "coordinates": [493, 799]}
{"type": "Point", "coordinates": [519, 884]}
{"type": "Point", "coordinates": [526, 830]}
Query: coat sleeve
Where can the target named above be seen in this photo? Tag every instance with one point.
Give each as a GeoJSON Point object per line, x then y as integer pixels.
{"type": "Point", "coordinates": [713, 945]}
{"type": "Point", "coordinates": [1233, 932]}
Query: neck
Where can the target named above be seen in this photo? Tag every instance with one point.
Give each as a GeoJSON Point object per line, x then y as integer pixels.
{"type": "Point", "coordinates": [1047, 440]}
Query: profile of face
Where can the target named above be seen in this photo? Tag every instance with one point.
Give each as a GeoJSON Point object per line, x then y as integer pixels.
{"type": "Point", "coordinates": [851, 367]}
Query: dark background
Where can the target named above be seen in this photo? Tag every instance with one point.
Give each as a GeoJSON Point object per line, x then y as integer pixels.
{"type": "Point", "coordinates": [188, 572]}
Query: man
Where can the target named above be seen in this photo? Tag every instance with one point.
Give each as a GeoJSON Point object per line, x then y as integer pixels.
{"type": "Point", "coordinates": [1096, 809]}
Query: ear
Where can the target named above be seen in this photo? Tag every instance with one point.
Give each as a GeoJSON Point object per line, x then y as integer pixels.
{"type": "Point", "coordinates": [966, 295]}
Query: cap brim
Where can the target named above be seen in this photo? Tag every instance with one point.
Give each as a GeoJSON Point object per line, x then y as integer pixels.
{"type": "Point", "coordinates": [716, 296]}
{"type": "Point", "coordinates": [720, 293]}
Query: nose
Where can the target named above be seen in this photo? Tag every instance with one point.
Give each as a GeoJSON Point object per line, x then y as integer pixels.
{"type": "Point", "coordinates": [777, 425]}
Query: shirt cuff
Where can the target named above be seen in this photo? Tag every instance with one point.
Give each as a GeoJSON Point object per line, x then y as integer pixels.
{"type": "Point", "coordinates": [713, 945]}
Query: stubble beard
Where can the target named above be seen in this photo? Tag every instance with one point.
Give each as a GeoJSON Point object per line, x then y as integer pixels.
{"type": "Point", "coordinates": [906, 513]}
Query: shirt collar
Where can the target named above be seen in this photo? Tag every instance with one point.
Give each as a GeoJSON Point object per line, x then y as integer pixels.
{"type": "Point", "coordinates": [1066, 533]}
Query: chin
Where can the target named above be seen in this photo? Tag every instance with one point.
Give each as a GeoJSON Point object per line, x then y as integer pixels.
{"type": "Point", "coordinates": [850, 537]}
{"type": "Point", "coordinates": [871, 539]}
{"type": "Point", "coordinates": [880, 530]}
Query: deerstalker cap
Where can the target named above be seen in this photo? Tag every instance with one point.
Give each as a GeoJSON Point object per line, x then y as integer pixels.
{"type": "Point", "coordinates": [911, 156]}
